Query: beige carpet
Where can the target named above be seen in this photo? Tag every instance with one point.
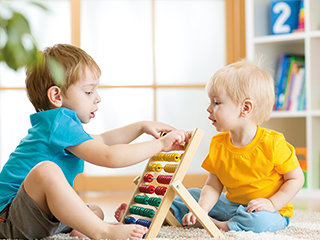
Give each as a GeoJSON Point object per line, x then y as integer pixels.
{"type": "Point", "coordinates": [304, 225]}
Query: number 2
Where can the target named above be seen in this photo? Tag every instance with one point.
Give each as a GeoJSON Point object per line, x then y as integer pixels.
{"type": "Point", "coordinates": [279, 26]}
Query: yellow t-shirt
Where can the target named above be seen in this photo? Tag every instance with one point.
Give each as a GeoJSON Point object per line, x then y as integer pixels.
{"type": "Point", "coordinates": [253, 171]}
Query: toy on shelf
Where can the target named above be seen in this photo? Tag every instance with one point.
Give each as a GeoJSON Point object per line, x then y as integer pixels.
{"type": "Point", "coordinates": [284, 16]}
{"type": "Point", "coordinates": [302, 158]}
{"type": "Point", "coordinates": [150, 203]}
{"type": "Point", "coordinates": [301, 17]}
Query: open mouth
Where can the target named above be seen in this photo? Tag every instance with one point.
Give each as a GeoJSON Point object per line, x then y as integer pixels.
{"type": "Point", "coordinates": [92, 114]}
{"type": "Point", "coordinates": [212, 120]}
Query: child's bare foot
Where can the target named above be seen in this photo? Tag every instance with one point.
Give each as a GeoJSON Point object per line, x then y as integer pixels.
{"type": "Point", "coordinates": [221, 225]}
{"type": "Point", "coordinates": [120, 211]}
{"type": "Point", "coordinates": [131, 231]}
{"type": "Point", "coordinates": [75, 233]}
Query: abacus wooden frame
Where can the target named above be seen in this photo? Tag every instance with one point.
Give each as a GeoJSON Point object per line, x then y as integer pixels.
{"type": "Point", "coordinates": [174, 188]}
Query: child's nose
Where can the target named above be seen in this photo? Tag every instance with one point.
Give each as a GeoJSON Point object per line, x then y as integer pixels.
{"type": "Point", "coordinates": [98, 99]}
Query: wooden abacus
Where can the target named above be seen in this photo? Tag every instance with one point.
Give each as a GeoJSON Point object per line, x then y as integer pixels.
{"type": "Point", "coordinates": [161, 197]}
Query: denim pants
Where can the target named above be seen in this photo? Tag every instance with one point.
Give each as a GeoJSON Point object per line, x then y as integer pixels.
{"type": "Point", "coordinates": [235, 214]}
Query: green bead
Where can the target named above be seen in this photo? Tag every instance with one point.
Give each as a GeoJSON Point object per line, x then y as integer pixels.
{"type": "Point", "coordinates": [141, 199]}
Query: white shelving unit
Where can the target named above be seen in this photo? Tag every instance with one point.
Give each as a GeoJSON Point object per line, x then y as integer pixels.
{"type": "Point", "coordinates": [301, 128]}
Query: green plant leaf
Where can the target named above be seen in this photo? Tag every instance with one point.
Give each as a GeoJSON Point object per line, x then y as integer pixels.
{"type": "Point", "coordinates": [57, 71]}
{"type": "Point", "coordinates": [14, 53]}
{"type": "Point", "coordinates": [40, 5]}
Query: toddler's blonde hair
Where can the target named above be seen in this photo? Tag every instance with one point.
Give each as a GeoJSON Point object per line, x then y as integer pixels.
{"type": "Point", "coordinates": [247, 80]}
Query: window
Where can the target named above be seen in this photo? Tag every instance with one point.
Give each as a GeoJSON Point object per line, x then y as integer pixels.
{"type": "Point", "coordinates": [155, 57]}
{"type": "Point", "coordinates": [48, 27]}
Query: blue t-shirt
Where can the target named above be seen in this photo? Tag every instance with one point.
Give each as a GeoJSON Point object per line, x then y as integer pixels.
{"type": "Point", "coordinates": [51, 132]}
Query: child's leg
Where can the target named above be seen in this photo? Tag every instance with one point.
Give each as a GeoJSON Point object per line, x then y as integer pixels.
{"type": "Point", "coordinates": [217, 214]}
{"type": "Point", "coordinates": [179, 207]}
{"type": "Point", "coordinates": [260, 221]}
{"type": "Point", "coordinates": [97, 211]}
{"type": "Point", "coordinates": [48, 188]}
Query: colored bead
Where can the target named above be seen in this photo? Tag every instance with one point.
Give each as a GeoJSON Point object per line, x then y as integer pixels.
{"type": "Point", "coordinates": [170, 168]}
{"type": "Point", "coordinates": [146, 188]}
{"type": "Point", "coordinates": [155, 167]}
{"type": "Point", "coordinates": [164, 179]}
{"type": "Point", "coordinates": [144, 222]}
{"type": "Point", "coordinates": [146, 212]}
{"type": "Point", "coordinates": [160, 190]}
{"type": "Point", "coordinates": [141, 199]}
{"type": "Point", "coordinates": [148, 177]}
{"type": "Point", "coordinates": [130, 220]}
{"type": "Point", "coordinates": [154, 201]}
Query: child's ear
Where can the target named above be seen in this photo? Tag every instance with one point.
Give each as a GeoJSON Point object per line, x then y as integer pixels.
{"type": "Point", "coordinates": [54, 95]}
{"type": "Point", "coordinates": [247, 107]}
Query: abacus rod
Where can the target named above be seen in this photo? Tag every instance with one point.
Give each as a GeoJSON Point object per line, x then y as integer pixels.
{"type": "Point", "coordinates": [179, 174]}
{"type": "Point", "coordinates": [160, 215]}
{"type": "Point", "coordinates": [194, 207]}
{"type": "Point", "coordinates": [188, 154]}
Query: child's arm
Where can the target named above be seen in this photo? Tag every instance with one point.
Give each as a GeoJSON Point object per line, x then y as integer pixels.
{"type": "Point", "coordinates": [209, 196]}
{"type": "Point", "coordinates": [130, 132]}
{"type": "Point", "coordinates": [293, 183]}
{"type": "Point", "coordinates": [122, 155]}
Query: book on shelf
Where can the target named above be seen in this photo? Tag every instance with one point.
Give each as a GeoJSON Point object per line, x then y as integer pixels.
{"type": "Point", "coordinates": [290, 83]}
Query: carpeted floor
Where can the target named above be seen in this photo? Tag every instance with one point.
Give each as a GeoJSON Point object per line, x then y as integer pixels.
{"type": "Point", "coordinates": [304, 225]}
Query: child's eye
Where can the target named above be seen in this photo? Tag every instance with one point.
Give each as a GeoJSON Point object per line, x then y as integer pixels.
{"type": "Point", "coordinates": [91, 92]}
{"type": "Point", "coordinates": [216, 103]}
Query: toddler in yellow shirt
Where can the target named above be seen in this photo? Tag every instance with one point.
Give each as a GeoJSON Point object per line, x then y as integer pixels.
{"type": "Point", "coordinates": [257, 167]}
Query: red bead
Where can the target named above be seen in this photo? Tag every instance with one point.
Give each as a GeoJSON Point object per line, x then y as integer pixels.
{"type": "Point", "coordinates": [148, 178]}
{"type": "Point", "coordinates": [147, 189]}
{"type": "Point", "coordinates": [164, 179]}
{"type": "Point", "coordinates": [160, 190]}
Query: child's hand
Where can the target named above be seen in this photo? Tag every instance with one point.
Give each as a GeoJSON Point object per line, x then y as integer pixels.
{"type": "Point", "coordinates": [173, 140]}
{"type": "Point", "coordinates": [260, 204]}
{"type": "Point", "coordinates": [188, 219]}
{"type": "Point", "coordinates": [153, 128]}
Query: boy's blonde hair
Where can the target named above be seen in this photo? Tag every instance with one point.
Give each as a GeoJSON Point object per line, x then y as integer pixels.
{"type": "Point", "coordinates": [39, 79]}
{"type": "Point", "coordinates": [246, 80]}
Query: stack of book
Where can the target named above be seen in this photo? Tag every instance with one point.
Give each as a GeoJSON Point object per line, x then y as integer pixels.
{"type": "Point", "coordinates": [290, 83]}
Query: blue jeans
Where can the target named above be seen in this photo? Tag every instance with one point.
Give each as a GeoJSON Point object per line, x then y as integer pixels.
{"type": "Point", "coordinates": [235, 214]}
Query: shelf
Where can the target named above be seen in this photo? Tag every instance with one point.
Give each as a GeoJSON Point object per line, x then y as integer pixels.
{"type": "Point", "coordinates": [315, 113]}
{"type": "Point", "coordinates": [300, 128]}
{"type": "Point", "coordinates": [295, 114]}
{"type": "Point", "coordinates": [280, 38]}
{"type": "Point", "coordinates": [288, 114]}
{"type": "Point", "coordinates": [299, 36]}
{"type": "Point", "coordinates": [315, 34]}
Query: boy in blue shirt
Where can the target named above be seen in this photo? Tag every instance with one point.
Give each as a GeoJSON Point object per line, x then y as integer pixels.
{"type": "Point", "coordinates": [36, 195]}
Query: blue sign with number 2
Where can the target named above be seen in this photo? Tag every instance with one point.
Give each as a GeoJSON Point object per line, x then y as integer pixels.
{"type": "Point", "coordinates": [284, 16]}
